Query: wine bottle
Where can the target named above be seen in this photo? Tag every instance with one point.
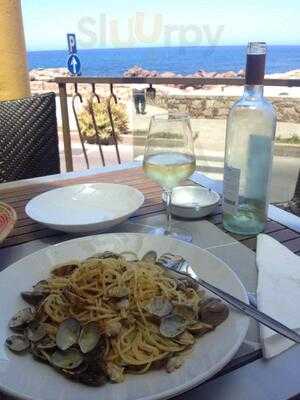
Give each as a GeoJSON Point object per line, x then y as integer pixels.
{"type": "Point", "coordinates": [250, 134]}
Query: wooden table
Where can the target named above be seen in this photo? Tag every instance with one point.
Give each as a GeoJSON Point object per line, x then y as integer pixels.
{"type": "Point", "coordinates": [246, 377]}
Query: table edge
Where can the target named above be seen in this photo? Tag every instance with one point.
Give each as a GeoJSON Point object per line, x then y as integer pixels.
{"type": "Point", "coordinates": [69, 175]}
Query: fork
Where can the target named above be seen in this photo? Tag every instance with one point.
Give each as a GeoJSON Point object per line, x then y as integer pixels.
{"type": "Point", "coordinates": [182, 267]}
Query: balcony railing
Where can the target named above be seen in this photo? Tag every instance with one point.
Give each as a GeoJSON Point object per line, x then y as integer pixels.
{"type": "Point", "coordinates": [76, 81]}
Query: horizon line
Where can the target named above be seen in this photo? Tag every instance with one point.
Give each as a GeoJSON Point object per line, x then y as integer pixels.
{"type": "Point", "coordinates": [157, 47]}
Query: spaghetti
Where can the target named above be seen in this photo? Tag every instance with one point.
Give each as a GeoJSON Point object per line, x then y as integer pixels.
{"type": "Point", "coordinates": [145, 317]}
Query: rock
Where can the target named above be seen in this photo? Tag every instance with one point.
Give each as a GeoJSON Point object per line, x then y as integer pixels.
{"type": "Point", "coordinates": [47, 74]}
{"type": "Point", "coordinates": [229, 74]}
{"type": "Point", "coordinates": [133, 72]}
{"type": "Point", "coordinates": [154, 74]}
{"type": "Point", "coordinates": [209, 74]}
{"type": "Point", "coordinates": [137, 71]}
{"type": "Point", "coordinates": [146, 74]}
{"type": "Point", "coordinates": [168, 75]}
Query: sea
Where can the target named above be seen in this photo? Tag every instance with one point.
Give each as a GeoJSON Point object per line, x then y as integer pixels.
{"type": "Point", "coordinates": [181, 60]}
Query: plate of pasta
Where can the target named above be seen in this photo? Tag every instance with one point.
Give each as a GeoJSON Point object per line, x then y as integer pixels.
{"type": "Point", "coordinates": [100, 317]}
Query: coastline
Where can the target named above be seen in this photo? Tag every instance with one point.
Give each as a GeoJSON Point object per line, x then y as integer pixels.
{"type": "Point", "coordinates": [41, 80]}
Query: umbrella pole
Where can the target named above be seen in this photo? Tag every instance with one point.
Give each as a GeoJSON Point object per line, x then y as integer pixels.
{"type": "Point", "coordinates": [14, 77]}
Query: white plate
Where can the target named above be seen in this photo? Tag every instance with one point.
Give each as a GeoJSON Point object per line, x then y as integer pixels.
{"type": "Point", "coordinates": [85, 208]}
{"type": "Point", "coordinates": [28, 379]}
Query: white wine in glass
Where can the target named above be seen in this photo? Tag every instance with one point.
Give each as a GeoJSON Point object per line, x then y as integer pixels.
{"type": "Point", "coordinates": [169, 158]}
{"type": "Point", "coordinates": [168, 169]}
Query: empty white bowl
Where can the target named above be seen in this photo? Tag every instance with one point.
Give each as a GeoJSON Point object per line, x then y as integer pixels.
{"type": "Point", "coordinates": [85, 208]}
{"type": "Point", "coordinates": [193, 202]}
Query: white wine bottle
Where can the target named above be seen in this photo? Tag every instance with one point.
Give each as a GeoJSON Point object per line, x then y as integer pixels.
{"type": "Point", "coordinates": [250, 134]}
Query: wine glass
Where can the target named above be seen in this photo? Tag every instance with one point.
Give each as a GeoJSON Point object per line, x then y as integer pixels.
{"type": "Point", "coordinates": [169, 158]}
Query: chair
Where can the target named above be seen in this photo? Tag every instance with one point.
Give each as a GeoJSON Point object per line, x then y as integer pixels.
{"type": "Point", "coordinates": [28, 138]}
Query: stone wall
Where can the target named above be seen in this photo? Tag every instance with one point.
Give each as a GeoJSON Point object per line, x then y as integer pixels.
{"type": "Point", "coordinates": [210, 107]}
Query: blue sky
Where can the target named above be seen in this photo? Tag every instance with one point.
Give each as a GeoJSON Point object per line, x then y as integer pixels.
{"type": "Point", "coordinates": [136, 23]}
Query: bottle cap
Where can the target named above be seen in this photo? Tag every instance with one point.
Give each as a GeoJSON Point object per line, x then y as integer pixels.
{"type": "Point", "coordinates": [256, 60]}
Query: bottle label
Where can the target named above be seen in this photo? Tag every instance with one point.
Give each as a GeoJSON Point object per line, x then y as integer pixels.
{"type": "Point", "coordinates": [231, 189]}
{"type": "Point", "coordinates": [259, 164]}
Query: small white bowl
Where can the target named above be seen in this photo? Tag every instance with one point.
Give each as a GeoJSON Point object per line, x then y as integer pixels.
{"type": "Point", "coordinates": [193, 202]}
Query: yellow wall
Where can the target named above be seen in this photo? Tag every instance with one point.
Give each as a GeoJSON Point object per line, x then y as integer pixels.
{"type": "Point", "coordinates": [14, 79]}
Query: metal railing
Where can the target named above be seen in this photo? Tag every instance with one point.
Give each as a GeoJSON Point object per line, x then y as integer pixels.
{"type": "Point", "coordinates": [63, 81]}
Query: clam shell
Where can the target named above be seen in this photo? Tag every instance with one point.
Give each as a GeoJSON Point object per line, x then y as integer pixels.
{"type": "Point", "coordinates": [159, 306]}
{"type": "Point", "coordinates": [64, 269]}
{"type": "Point", "coordinates": [76, 372]}
{"type": "Point", "coordinates": [39, 353]}
{"type": "Point", "coordinates": [199, 328]}
{"type": "Point", "coordinates": [185, 338]}
{"type": "Point", "coordinates": [21, 319]}
{"type": "Point", "coordinates": [17, 343]}
{"type": "Point", "coordinates": [89, 337]}
{"type": "Point", "coordinates": [46, 343]}
{"type": "Point", "coordinates": [172, 326]}
{"type": "Point", "coordinates": [214, 313]}
{"type": "Point", "coordinates": [150, 257]}
{"type": "Point", "coordinates": [107, 254]}
{"type": "Point", "coordinates": [186, 311]}
{"type": "Point", "coordinates": [33, 297]}
{"type": "Point", "coordinates": [69, 359]}
{"type": "Point", "coordinates": [174, 363]}
{"type": "Point", "coordinates": [35, 331]}
{"type": "Point", "coordinates": [115, 373]}
{"type": "Point", "coordinates": [68, 333]}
